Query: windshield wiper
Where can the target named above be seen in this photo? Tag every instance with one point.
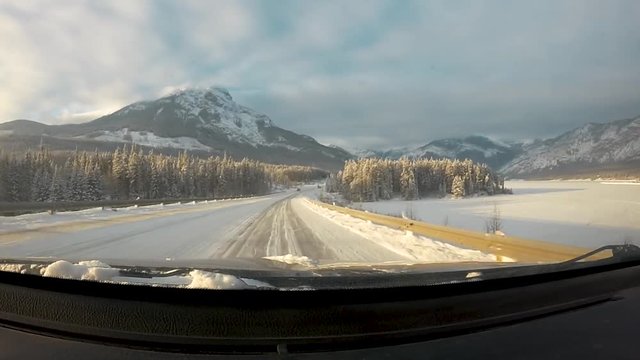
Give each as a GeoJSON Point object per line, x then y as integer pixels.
{"type": "Point", "coordinates": [620, 253]}
{"type": "Point", "coordinates": [152, 273]}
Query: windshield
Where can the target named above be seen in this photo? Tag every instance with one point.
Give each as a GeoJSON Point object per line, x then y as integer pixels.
{"type": "Point", "coordinates": [191, 139]}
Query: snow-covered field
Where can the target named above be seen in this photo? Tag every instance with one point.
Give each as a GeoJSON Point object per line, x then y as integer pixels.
{"type": "Point", "coordinates": [581, 213]}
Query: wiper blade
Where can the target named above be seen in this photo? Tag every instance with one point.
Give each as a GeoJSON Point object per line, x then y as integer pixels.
{"type": "Point", "coordinates": [620, 253]}
{"type": "Point", "coordinates": [138, 273]}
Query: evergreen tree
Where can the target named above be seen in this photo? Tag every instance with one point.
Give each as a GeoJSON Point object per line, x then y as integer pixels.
{"type": "Point", "coordinates": [56, 193]}
{"type": "Point", "coordinates": [134, 174]}
{"type": "Point", "coordinates": [373, 179]}
{"type": "Point", "coordinates": [93, 177]}
{"type": "Point", "coordinates": [408, 183]}
{"type": "Point", "coordinates": [119, 166]}
{"type": "Point", "coordinates": [457, 189]}
{"type": "Point", "coordinates": [14, 190]}
{"type": "Point", "coordinates": [41, 184]}
{"type": "Point", "coordinates": [130, 173]}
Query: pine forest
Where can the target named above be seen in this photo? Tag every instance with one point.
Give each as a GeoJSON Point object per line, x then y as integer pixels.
{"type": "Point", "coordinates": [128, 173]}
{"type": "Point", "coordinates": [373, 179]}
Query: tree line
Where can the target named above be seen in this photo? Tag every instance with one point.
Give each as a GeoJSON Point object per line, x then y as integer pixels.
{"type": "Point", "coordinates": [372, 179]}
{"type": "Point", "coordinates": [128, 173]}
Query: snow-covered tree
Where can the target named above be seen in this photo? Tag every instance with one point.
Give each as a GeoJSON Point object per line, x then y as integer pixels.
{"type": "Point", "coordinates": [127, 174]}
{"type": "Point", "coordinates": [56, 193]}
{"type": "Point", "coordinates": [408, 183]}
{"type": "Point", "coordinates": [135, 174]}
{"type": "Point", "coordinates": [457, 187]}
{"type": "Point", "coordinates": [373, 179]}
{"type": "Point", "coordinates": [120, 173]}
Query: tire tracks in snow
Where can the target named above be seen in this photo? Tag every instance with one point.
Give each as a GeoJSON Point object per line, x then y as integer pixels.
{"type": "Point", "coordinates": [276, 231]}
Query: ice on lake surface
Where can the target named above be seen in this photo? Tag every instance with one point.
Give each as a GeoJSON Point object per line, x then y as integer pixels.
{"type": "Point", "coordinates": [581, 213]}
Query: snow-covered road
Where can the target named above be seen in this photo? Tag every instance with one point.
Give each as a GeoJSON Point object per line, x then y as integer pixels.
{"type": "Point", "coordinates": [291, 227]}
{"type": "Point", "coordinates": [185, 232]}
{"type": "Point", "coordinates": [279, 225]}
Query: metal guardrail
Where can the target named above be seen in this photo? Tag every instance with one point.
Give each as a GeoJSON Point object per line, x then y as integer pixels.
{"type": "Point", "coordinates": [20, 208]}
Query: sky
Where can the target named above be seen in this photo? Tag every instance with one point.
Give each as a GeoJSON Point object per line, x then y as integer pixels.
{"type": "Point", "coordinates": [359, 74]}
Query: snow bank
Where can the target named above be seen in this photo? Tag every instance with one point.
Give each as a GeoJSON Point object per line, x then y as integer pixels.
{"type": "Point", "coordinates": [405, 243]}
{"type": "Point", "coordinates": [293, 260]}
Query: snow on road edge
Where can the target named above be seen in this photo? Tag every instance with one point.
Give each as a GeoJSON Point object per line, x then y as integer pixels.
{"type": "Point", "coordinates": [405, 243]}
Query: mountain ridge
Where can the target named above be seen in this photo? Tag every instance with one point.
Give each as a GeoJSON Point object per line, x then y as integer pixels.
{"type": "Point", "coordinates": [593, 149]}
{"type": "Point", "coordinates": [205, 120]}
{"type": "Point", "coordinates": [478, 148]}
{"type": "Point", "coordinates": [596, 146]}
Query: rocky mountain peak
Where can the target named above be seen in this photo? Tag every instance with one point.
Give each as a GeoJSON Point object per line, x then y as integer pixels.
{"type": "Point", "coordinates": [202, 92]}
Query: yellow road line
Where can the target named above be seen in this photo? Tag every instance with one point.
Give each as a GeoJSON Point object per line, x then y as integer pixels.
{"type": "Point", "coordinates": [521, 250]}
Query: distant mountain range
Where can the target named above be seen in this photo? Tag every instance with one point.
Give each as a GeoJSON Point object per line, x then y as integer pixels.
{"type": "Point", "coordinates": [591, 150]}
{"type": "Point", "coordinates": [595, 149]}
{"type": "Point", "coordinates": [203, 121]}
{"type": "Point", "coordinates": [477, 148]}
{"type": "Point", "coordinates": [209, 122]}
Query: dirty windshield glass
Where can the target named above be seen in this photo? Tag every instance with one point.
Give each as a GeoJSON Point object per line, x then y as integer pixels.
{"type": "Point", "coordinates": [195, 140]}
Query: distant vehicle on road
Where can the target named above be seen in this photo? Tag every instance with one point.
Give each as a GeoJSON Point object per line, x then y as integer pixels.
{"type": "Point", "coordinates": [297, 189]}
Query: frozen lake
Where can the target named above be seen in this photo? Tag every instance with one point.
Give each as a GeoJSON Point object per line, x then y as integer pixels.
{"type": "Point", "coordinates": [582, 213]}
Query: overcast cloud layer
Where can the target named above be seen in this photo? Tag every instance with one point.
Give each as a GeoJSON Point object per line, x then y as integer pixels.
{"type": "Point", "coordinates": [354, 73]}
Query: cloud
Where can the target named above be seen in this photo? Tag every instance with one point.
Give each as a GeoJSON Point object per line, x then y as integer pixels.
{"type": "Point", "coordinates": [71, 116]}
{"type": "Point", "coordinates": [74, 52]}
{"type": "Point", "coordinates": [366, 73]}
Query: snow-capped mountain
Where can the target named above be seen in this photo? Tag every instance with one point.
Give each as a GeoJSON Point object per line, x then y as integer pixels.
{"type": "Point", "coordinates": [614, 144]}
{"type": "Point", "coordinates": [609, 149]}
{"type": "Point", "coordinates": [477, 148]}
{"type": "Point", "coordinates": [393, 153]}
{"type": "Point", "coordinates": [193, 113]}
{"type": "Point", "coordinates": [202, 120]}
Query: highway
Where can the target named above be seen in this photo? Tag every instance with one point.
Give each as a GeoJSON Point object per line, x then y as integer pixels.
{"type": "Point", "coordinates": [273, 225]}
